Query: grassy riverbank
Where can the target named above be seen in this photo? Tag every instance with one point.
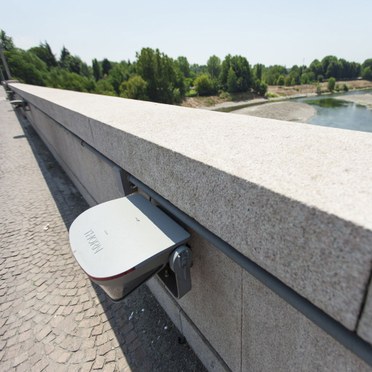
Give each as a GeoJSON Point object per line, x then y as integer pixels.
{"type": "Point", "coordinates": [230, 102]}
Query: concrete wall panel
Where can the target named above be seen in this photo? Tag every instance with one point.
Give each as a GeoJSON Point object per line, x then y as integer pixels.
{"type": "Point", "coordinates": [214, 303]}
{"type": "Point", "coordinates": [97, 179]}
{"type": "Point", "coordinates": [276, 337]}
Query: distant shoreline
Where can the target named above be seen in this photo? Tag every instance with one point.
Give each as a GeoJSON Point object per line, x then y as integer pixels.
{"type": "Point", "coordinates": [281, 93]}
{"type": "Point", "coordinates": [359, 99]}
{"type": "Point", "coordinates": [284, 106]}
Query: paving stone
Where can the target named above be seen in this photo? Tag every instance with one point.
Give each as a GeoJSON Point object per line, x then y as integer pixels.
{"type": "Point", "coordinates": [9, 334]}
{"type": "Point", "coordinates": [122, 364]}
{"type": "Point", "coordinates": [77, 357]}
{"type": "Point", "coordinates": [104, 349]}
{"type": "Point", "coordinates": [85, 333]}
{"type": "Point", "coordinates": [7, 365]}
{"type": "Point", "coordinates": [24, 336]}
{"type": "Point", "coordinates": [41, 365]}
{"type": "Point", "coordinates": [88, 343]}
{"type": "Point", "coordinates": [99, 362]}
{"type": "Point", "coordinates": [89, 323]}
{"type": "Point", "coordinates": [90, 355]}
{"type": "Point", "coordinates": [20, 359]}
{"type": "Point", "coordinates": [97, 330]}
{"type": "Point", "coordinates": [2, 344]}
{"type": "Point", "coordinates": [48, 348]}
{"type": "Point", "coordinates": [101, 339]}
{"type": "Point", "coordinates": [63, 357]}
{"type": "Point", "coordinates": [109, 367]}
{"type": "Point", "coordinates": [91, 312]}
{"type": "Point", "coordinates": [49, 338]}
{"type": "Point", "coordinates": [43, 333]}
{"type": "Point", "coordinates": [71, 344]}
{"type": "Point", "coordinates": [24, 367]}
{"type": "Point", "coordinates": [111, 356]}
{"type": "Point", "coordinates": [86, 367]}
{"type": "Point", "coordinates": [12, 341]}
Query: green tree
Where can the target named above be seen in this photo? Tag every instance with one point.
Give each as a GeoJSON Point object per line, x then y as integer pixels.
{"type": "Point", "coordinates": [204, 85]}
{"type": "Point", "coordinates": [86, 70]}
{"type": "Point", "coordinates": [316, 68]}
{"type": "Point", "coordinates": [367, 73]}
{"type": "Point", "coordinates": [6, 41]}
{"type": "Point", "coordinates": [70, 62]}
{"type": "Point", "coordinates": [272, 73]}
{"type": "Point", "coordinates": [74, 64]}
{"type": "Point", "coordinates": [225, 67]}
{"type": "Point", "coordinates": [44, 52]}
{"type": "Point", "coordinates": [97, 72]}
{"type": "Point", "coordinates": [333, 69]}
{"type": "Point", "coordinates": [355, 70]}
{"type": "Point", "coordinates": [329, 66]}
{"type": "Point", "coordinates": [260, 87]}
{"type": "Point", "coordinates": [281, 80]}
{"type": "Point", "coordinates": [307, 77]}
{"type": "Point", "coordinates": [118, 73]}
{"type": "Point", "coordinates": [288, 81]}
{"type": "Point", "coordinates": [63, 58]}
{"type": "Point", "coordinates": [331, 84]}
{"type": "Point", "coordinates": [232, 81]}
{"type": "Point", "coordinates": [214, 67]}
{"type": "Point", "coordinates": [367, 69]}
{"type": "Point", "coordinates": [236, 68]}
{"type": "Point", "coordinates": [159, 71]}
{"type": "Point", "coordinates": [134, 88]}
{"type": "Point", "coordinates": [184, 66]}
{"type": "Point", "coordinates": [367, 63]}
{"type": "Point", "coordinates": [104, 87]}
{"type": "Point", "coordinates": [106, 66]}
{"type": "Point", "coordinates": [196, 70]}
{"type": "Point", "coordinates": [64, 79]}
{"type": "Point", "coordinates": [258, 71]}
{"type": "Point", "coordinates": [27, 67]}
{"type": "Point", "coordinates": [181, 84]}
{"type": "Point", "coordinates": [294, 74]}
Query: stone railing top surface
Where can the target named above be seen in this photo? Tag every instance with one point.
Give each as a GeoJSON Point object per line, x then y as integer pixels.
{"type": "Point", "coordinates": [327, 168]}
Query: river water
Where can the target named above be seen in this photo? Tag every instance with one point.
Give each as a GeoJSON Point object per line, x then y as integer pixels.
{"type": "Point", "coordinates": [336, 113]}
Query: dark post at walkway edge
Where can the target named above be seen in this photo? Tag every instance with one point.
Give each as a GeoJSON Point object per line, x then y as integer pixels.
{"type": "Point", "coordinates": [7, 71]}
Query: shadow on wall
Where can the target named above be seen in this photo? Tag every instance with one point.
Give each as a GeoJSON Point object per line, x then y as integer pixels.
{"type": "Point", "coordinates": [147, 337]}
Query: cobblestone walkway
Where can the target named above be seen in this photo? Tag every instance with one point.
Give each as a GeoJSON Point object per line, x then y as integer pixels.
{"type": "Point", "coordinates": [51, 317]}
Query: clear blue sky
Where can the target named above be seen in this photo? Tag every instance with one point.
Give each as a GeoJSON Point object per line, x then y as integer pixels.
{"type": "Point", "coordinates": [268, 31]}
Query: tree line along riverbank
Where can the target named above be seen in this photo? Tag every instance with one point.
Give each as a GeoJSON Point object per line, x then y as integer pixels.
{"type": "Point", "coordinates": [154, 76]}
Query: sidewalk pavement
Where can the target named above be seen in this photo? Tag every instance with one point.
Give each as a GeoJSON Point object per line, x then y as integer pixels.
{"type": "Point", "coordinates": [52, 317]}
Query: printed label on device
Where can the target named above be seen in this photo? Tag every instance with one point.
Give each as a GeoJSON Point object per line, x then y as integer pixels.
{"type": "Point", "coordinates": [93, 242]}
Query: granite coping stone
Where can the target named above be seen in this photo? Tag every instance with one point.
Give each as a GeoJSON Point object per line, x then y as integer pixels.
{"type": "Point", "coordinates": [294, 198]}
